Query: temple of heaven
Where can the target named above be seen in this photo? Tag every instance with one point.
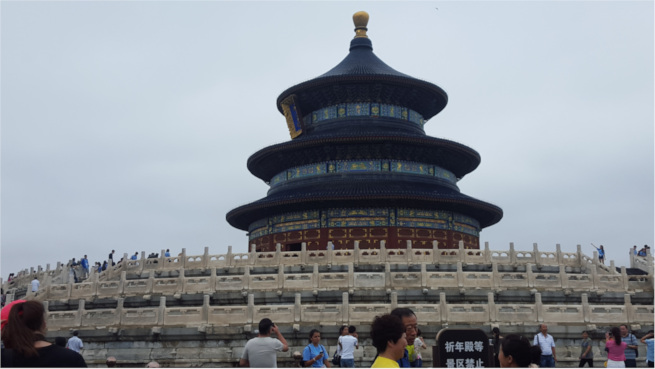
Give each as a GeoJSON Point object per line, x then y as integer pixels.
{"type": "Point", "coordinates": [359, 166]}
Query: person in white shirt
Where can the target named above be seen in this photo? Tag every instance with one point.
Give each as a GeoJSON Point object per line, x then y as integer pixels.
{"type": "Point", "coordinates": [348, 344]}
{"type": "Point", "coordinates": [75, 343]}
{"type": "Point", "coordinates": [547, 344]}
{"type": "Point", "coordinates": [35, 284]}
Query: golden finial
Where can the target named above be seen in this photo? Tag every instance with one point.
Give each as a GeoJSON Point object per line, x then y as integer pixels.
{"type": "Point", "coordinates": [361, 20]}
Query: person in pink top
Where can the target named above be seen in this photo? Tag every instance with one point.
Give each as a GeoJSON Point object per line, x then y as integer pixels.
{"type": "Point", "coordinates": [615, 348]}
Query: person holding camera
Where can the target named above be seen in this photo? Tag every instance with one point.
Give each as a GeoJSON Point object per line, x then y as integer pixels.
{"type": "Point", "coordinates": [261, 351]}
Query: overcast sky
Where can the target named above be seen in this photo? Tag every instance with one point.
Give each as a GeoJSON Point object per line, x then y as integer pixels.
{"type": "Point", "coordinates": [127, 125]}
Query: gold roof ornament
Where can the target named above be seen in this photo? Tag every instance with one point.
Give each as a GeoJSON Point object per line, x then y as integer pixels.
{"type": "Point", "coordinates": [361, 20]}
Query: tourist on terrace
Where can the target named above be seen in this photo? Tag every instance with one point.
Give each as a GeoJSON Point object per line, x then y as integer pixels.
{"type": "Point", "coordinates": [23, 335]}
{"type": "Point", "coordinates": [586, 353]}
{"type": "Point", "coordinates": [615, 348]}
{"type": "Point", "coordinates": [315, 354]}
{"type": "Point", "coordinates": [409, 320]}
{"type": "Point", "coordinates": [389, 338]}
{"type": "Point", "coordinates": [35, 284]}
{"type": "Point", "coordinates": [514, 352]}
{"type": "Point", "coordinates": [85, 267]}
{"type": "Point", "coordinates": [348, 344]}
{"type": "Point", "coordinates": [261, 351]}
{"type": "Point", "coordinates": [111, 362]}
{"type": "Point", "coordinates": [135, 256]}
{"type": "Point", "coordinates": [547, 345]}
{"type": "Point", "coordinates": [111, 257]}
{"type": "Point", "coordinates": [650, 348]}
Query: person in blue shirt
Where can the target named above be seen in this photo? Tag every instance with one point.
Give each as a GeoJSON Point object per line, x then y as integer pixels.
{"type": "Point", "coordinates": [315, 355]}
{"type": "Point", "coordinates": [650, 348]}
{"type": "Point", "coordinates": [85, 265]}
{"type": "Point", "coordinates": [134, 257]}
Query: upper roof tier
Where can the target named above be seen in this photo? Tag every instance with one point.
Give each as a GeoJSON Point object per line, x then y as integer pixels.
{"type": "Point", "coordinates": [363, 78]}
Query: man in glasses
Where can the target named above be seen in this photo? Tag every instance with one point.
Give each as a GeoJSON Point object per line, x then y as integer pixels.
{"type": "Point", "coordinates": [409, 320]}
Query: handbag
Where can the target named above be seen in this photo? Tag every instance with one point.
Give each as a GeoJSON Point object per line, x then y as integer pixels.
{"type": "Point", "coordinates": [336, 359]}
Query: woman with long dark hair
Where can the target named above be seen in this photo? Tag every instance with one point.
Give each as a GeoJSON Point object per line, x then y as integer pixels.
{"type": "Point", "coordinates": [24, 337]}
{"type": "Point", "coordinates": [615, 348]}
{"type": "Point", "coordinates": [315, 354]}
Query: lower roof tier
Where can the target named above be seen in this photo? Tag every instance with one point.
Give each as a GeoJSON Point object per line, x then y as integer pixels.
{"type": "Point", "coordinates": [365, 192]}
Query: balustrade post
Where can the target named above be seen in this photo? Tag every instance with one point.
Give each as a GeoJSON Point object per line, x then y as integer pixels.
{"type": "Point", "coordinates": [424, 276]}
{"type": "Point", "coordinates": [394, 300]}
{"type": "Point", "coordinates": [530, 274]}
{"type": "Point", "coordinates": [250, 311]}
{"type": "Point", "coordinates": [493, 314]}
{"type": "Point", "coordinates": [435, 252]}
{"type": "Point", "coordinates": [564, 278]}
{"type": "Point", "coordinates": [487, 253]}
{"type": "Point", "coordinates": [559, 256]}
{"type": "Point", "coordinates": [495, 277]}
{"type": "Point", "coordinates": [537, 255]}
{"type": "Point", "coordinates": [315, 276]}
{"type": "Point", "coordinates": [586, 309]}
{"type": "Point", "coordinates": [213, 280]}
{"type": "Point", "coordinates": [387, 275]}
{"type": "Point", "coordinates": [461, 253]}
{"type": "Point", "coordinates": [183, 256]}
{"type": "Point", "coordinates": [80, 313]}
{"type": "Point", "coordinates": [345, 305]}
{"type": "Point", "coordinates": [443, 307]}
{"type": "Point", "coordinates": [280, 276]}
{"type": "Point", "coordinates": [205, 309]}
{"type": "Point", "coordinates": [383, 251]}
{"type": "Point", "coordinates": [119, 309]}
{"type": "Point", "coordinates": [624, 278]}
{"type": "Point", "coordinates": [629, 309]}
{"type": "Point", "coordinates": [304, 259]}
{"type": "Point", "coordinates": [351, 275]}
{"type": "Point", "coordinates": [409, 254]}
{"type": "Point", "coordinates": [539, 307]}
{"type": "Point", "coordinates": [460, 275]}
{"type": "Point", "coordinates": [205, 258]}
{"type": "Point", "coordinates": [330, 252]}
{"type": "Point", "coordinates": [594, 276]}
{"type": "Point", "coordinates": [297, 306]}
{"type": "Point", "coordinates": [613, 267]}
{"type": "Point", "coordinates": [579, 255]}
{"type": "Point", "coordinates": [512, 254]}
{"type": "Point", "coordinates": [246, 278]}
{"type": "Point", "coordinates": [356, 252]}
{"type": "Point", "coordinates": [229, 257]}
{"type": "Point", "coordinates": [161, 310]}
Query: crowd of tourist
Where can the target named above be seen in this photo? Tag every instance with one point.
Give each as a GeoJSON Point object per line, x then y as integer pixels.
{"type": "Point", "coordinates": [395, 336]}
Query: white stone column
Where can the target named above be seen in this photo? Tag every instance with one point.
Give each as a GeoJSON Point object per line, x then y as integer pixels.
{"type": "Point", "coordinates": [345, 305]}
{"type": "Point", "coordinates": [493, 313]}
{"type": "Point", "coordinates": [297, 317]}
{"type": "Point", "coordinates": [394, 300]}
{"type": "Point", "coordinates": [161, 310]}
{"type": "Point", "coordinates": [443, 307]}
{"type": "Point", "coordinates": [539, 307]}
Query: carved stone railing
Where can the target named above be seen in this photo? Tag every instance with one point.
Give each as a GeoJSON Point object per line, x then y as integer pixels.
{"type": "Point", "coordinates": [112, 281]}
{"type": "Point", "coordinates": [345, 312]}
{"type": "Point", "coordinates": [312, 278]}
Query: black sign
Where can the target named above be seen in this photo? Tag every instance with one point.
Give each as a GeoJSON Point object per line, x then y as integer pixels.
{"type": "Point", "coordinates": [462, 348]}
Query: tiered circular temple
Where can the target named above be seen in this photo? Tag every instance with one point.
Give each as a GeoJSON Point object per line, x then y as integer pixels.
{"type": "Point", "coordinates": [360, 168]}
